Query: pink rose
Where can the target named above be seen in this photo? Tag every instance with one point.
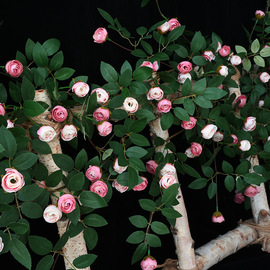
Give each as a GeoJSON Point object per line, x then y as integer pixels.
{"type": "Point", "coordinates": [105, 128]}
{"type": "Point", "coordinates": [154, 65]}
{"type": "Point", "coordinates": [80, 89]}
{"type": "Point", "coordinates": [264, 77]}
{"type": "Point", "coordinates": [12, 181]}
{"type": "Point", "coordinates": [164, 105]}
{"type": "Point", "coordinates": [100, 35]}
{"type": "Point", "coordinates": [208, 131]}
{"type": "Point", "coordinates": [196, 149]}
{"type": "Point", "coordinates": [102, 95]}
{"type": "Point", "coordinates": [101, 114]}
{"type": "Point", "coordinates": [217, 217]}
{"type": "Point", "coordinates": [148, 263]}
{"type": "Point", "coordinates": [164, 28]}
{"type": "Point", "coordinates": [187, 125]}
{"type": "Point", "coordinates": [259, 14]}
{"type": "Point", "coordinates": [117, 168]}
{"type": "Point", "coordinates": [244, 145]}
{"type": "Point", "coordinates": [189, 153]}
{"type": "Point", "coordinates": [251, 191]}
{"type": "Point", "coordinates": [52, 214]}
{"type": "Point", "coordinates": [66, 203]}
{"type": "Point", "coordinates": [235, 139]}
{"type": "Point", "coordinates": [93, 173]}
{"type": "Point", "coordinates": [184, 67]}
{"type": "Point", "coordinates": [167, 180]}
{"type": "Point", "coordinates": [222, 70]}
{"type": "Point", "coordinates": [208, 55]}
{"type": "Point", "coordinates": [182, 77]}
{"type": "Point", "coordinates": [68, 132]}
{"type": "Point", "coordinates": [238, 198]}
{"type": "Point", "coordinates": [10, 124]}
{"type": "Point", "coordinates": [224, 51]}
{"type": "Point", "coordinates": [249, 123]}
{"type": "Point", "coordinates": [130, 105]}
{"type": "Point", "coordinates": [235, 60]}
{"type": "Point", "coordinates": [2, 109]}
{"type": "Point", "coordinates": [218, 136]}
{"type": "Point", "coordinates": [119, 187]}
{"type": "Point", "coordinates": [174, 23]}
{"type": "Point", "coordinates": [46, 133]}
{"type": "Point", "coordinates": [168, 169]}
{"type": "Point", "coordinates": [142, 185]}
{"type": "Point", "coordinates": [14, 68]}
{"type": "Point", "coordinates": [99, 187]}
{"type": "Point", "coordinates": [242, 99]}
{"type": "Point", "coordinates": [151, 166]}
{"type": "Point", "coordinates": [59, 113]}
{"type": "Point", "coordinates": [155, 93]}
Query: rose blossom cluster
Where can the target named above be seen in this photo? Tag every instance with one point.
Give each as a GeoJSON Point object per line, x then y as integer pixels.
{"type": "Point", "coordinates": [184, 68]}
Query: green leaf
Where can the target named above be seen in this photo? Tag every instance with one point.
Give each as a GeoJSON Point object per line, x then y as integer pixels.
{"type": "Point", "coordinates": [159, 228]}
{"type": "Point", "coordinates": [76, 182]}
{"type": "Point", "coordinates": [40, 55]}
{"type": "Point", "coordinates": [203, 102]}
{"type": "Point", "coordinates": [91, 199]}
{"type": "Point", "coordinates": [176, 33]}
{"type": "Point", "coordinates": [81, 159]}
{"type": "Point", "coordinates": [54, 178]}
{"type": "Point", "coordinates": [95, 220]}
{"type": "Point", "coordinates": [227, 167]}
{"type": "Point", "coordinates": [40, 245]}
{"type": "Point", "coordinates": [255, 46]}
{"type": "Point", "coordinates": [57, 61]}
{"type": "Point", "coordinates": [32, 108]}
{"type": "Point", "coordinates": [138, 88]}
{"type": "Point", "coordinates": [20, 253]}
{"type": "Point", "coordinates": [142, 73]}
{"type": "Point", "coordinates": [45, 263]}
{"type": "Point", "coordinates": [216, 81]}
{"type": "Point", "coordinates": [166, 120]}
{"type": "Point", "coordinates": [198, 42]}
{"type": "Point", "coordinates": [139, 53]}
{"type": "Point", "coordinates": [108, 72]}
{"type": "Point", "coordinates": [62, 241]}
{"type": "Point", "coordinates": [119, 114]}
{"type": "Point", "coordinates": [212, 190]}
{"type": "Point", "coordinates": [243, 168]}
{"type": "Point", "coordinates": [153, 240]}
{"type": "Point", "coordinates": [32, 210]}
{"type": "Point", "coordinates": [107, 153]}
{"type": "Point", "coordinates": [147, 205]}
{"type": "Point", "coordinates": [182, 51]}
{"type": "Point", "coordinates": [254, 178]}
{"type": "Point", "coordinates": [139, 139]}
{"type": "Point", "coordinates": [63, 73]}
{"type": "Point", "coordinates": [24, 161]}
{"type": "Point", "coordinates": [125, 78]}
{"type": "Point", "coordinates": [18, 227]}
{"type": "Point", "coordinates": [29, 47]}
{"type": "Point", "coordinates": [240, 49]}
{"type": "Point", "coordinates": [199, 60]}
{"type": "Point", "coordinates": [84, 261]}
{"type": "Point", "coordinates": [91, 237]}
{"type": "Point", "coordinates": [64, 162]}
{"type": "Point", "coordinates": [214, 93]}
{"type": "Point", "coordinates": [147, 47]}
{"type": "Point", "coordinates": [138, 221]}
{"type": "Point", "coordinates": [247, 64]}
{"type": "Point", "coordinates": [3, 93]}
{"type": "Point", "coordinates": [170, 213]}
{"type": "Point", "coordinates": [198, 183]}
{"type": "Point", "coordinates": [8, 141]}
{"type": "Point", "coordinates": [41, 147]}
{"type": "Point", "coordinates": [29, 192]}
{"type": "Point", "coordinates": [51, 46]}
{"type": "Point", "coordinates": [137, 164]}
{"type": "Point", "coordinates": [190, 171]}
{"type": "Point", "coordinates": [199, 86]}
{"type": "Point", "coordinates": [41, 172]}
{"type": "Point", "coordinates": [136, 237]}
{"type": "Point", "coordinates": [229, 183]}
{"type": "Point", "coordinates": [259, 61]}
{"type": "Point", "coordinates": [145, 114]}
{"type": "Point", "coordinates": [136, 151]}
{"type": "Point", "coordinates": [181, 114]}
{"type": "Point", "coordinates": [106, 16]}
{"type": "Point", "coordinates": [189, 106]}
{"type": "Point", "coordinates": [169, 194]}
{"type": "Point", "coordinates": [265, 52]}
{"type": "Point", "coordinates": [27, 89]}
{"type": "Point", "coordinates": [139, 253]}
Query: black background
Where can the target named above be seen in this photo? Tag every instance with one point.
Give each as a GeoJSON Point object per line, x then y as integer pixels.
{"type": "Point", "coordinates": [73, 23]}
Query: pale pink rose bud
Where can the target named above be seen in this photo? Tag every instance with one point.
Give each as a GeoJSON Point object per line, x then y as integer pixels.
{"type": "Point", "coordinates": [164, 105]}
{"type": "Point", "coordinates": [2, 109]}
{"type": "Point", "coordinates": [174, 23]}
{"type": "Point", "coordinates": [119, 187]}
{"type": "Point", "coordinates": [168, 169]}
{"type": "Point", "coordinates": [222, 70]}
{"type": "Point", "coordinates": [99, 187]}
{"type": "Point", "coordinates": [264, 77]}
{"type": "Point", "coordinates": [66, 203]}
{"type": "Point", "coordinates": [148, 263]}
{"type": "Point", "coordinates": [218, 47]}
{"type": "Point", "coordinates": [189, 124]}
{"type": "Point", "coordinates": [251, 191]}
{"type": "Point", "coordinates": [68, 132]}
{"type": "Point", "coordinates": [224, 51]}
{"type": "Point", "coordinates": [52, 214]}
{"type": "Point", "coordinates": [182, 77]}
{"type": "Point", "coordinates": [244, 145]}
{"type": "Point", "coordinates": [208, 131]}
{"type": "Point", "coordinates": [104, 128]}
{"type": "Point", "coordinates": [117, 168]}
{"type": "Point", "coordinates": [14, 68]}
{"type": "Point", "coordinates": [100, 35]}
{"type": "Point", "coordinates": [235, 139]}
{"type": "Point", "coordinates": [189, 153]}
{"type": "Point", "coordinates": [155, 93]}
{"type": "Point", "coordinates": [261, 103]}
{"type": "Point", "coordinates": [130, 105]}
{"type": "Point", "coordinates": [218, 136]}
{"type": "Point", "coordinates": [167, 180]}
{"type": "Point", "coordinates": [242, 99]}
{"type": "Point", "coordinates": [93, 173]}
{"type": "Point", "coordinates": [259, 14]}
{"type": "Point", "coordinates": [184, 67]}
{"type": "Point", "coordinates": [102, 95]}
{"type": "Point", "coordinates": [10, 124]}
{"type": "Point", "coordinates": [235, 60]}
{"type": "Point", "coordinates": [164, 28]}
{"type": "Point", "coordinates": [151, 166]}
{"type": "Point", "coordinates": [217, 217]}
{"type": "Point", "coordinates": [80, 89]}
{"type": "Point", "coordinates": [141, 186]}
{"type": "Point", "coordinates": [59, 113]}
{"type": "Point", "coordinates": [154, 65]}
{"type": "Point", "coordinates": [46, 133]}
{"type": "Point", "coordinates": [1, 244]}
{"type": "Point", "coordinates": [221, 86]}
{"type": "Point", "coordinates": [209, 56]}
{"type": "Point", "coordinates": [12, 181]}
{"type": "Point", "coordinates": [101, 114]}
{"type": "Point", "coordinates": [239, 197]}
{"type": "Point", "coordinates": [196, 149]}
{"type": "Point", "coordinates": [249, 123]}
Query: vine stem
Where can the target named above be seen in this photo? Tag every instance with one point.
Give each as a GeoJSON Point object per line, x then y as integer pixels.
{"type": "Point", "coordinates": [117, 44]}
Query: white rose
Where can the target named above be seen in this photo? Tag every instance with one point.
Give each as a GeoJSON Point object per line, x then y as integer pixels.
{"type": "Point", "coordinates": [52, 214]}
{"type": "Point", "coordinates": [235, 60]}
{"type": "Point", "coordinates": [189, 153]}
{"type": "Point", "coordinates": [46, 133]}
{"type": "Point", "coordinates": [223, 70]}
{"type": "Point", "coordinates": [1, 244]}
{"type": "Point", "coordinates": [155, 93]}
{"type": "Point", "coordinates": [182, 77]}
{"type": "Point", "coordinates": [264, 77]}
{"type": "Point", "coordinates": [68, 132]}
{"type": "Point", "coordinates": [168, 169]}
{"type": "Point", "coordinates": [167, 180]}
{"type": "Point", "coordinates": [119, 187]}
{"type": "Point", "coordinates": [117, 168]}
{"type": "Point", "coordinates": [102, 95]}
{"type": "Point", "coordinates": [208, 131]}
{"type": "Point", "coordinates": [130, 105]}
{"type": "Point", "coordinates": [80, 89]}
{"type": "Point", "coordinates": [244, 145]}
{"type": "Point", "coordinates": [218, 136]}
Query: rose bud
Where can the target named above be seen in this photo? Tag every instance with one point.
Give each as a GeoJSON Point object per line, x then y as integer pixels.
{"type": "Point", "coordinates": [148, 263]}
{"type": "Point", "coordinates": [46, 133]}
{"type": "Point", "coordinates": [2, 109]}
{"type": "Point", "coordinates": [244, 145]}
{"type": "Point", "coordinates": [218, 136]}
{"type": "Point", "coordinates": [59, 114]}
{"type": "Point", "coordinates": [189, 153]}
{"type": "Point", "coordinates": [117, 168]}
{"type": "Point", "coordinates": [164, 28]}
{"type": "Point", "coordinates": [235, 139]}
{"type": "Point", "coordinates": [104, 128]}
{"type": "Point", "coordinates": [184, 67]}
{"type": "Point", "coordinates": [99, 187]}
{"type": "Point", "coordinates": [164, 105]}
{"type": "Point", "coordinates": [261, 103]}
{"type": "Point", "coordinates": [10, 124]}
{"type": "Point", "coordinates": [1, 244]}
{"type": "Point", "coordinates": [224, 51]}
{"type": "Point", "coordinates": [242, 99]}
{"type": "Point", "coordinates": [102, 95]}
{"type": "Point", "coordinates": [239, 197]}
{"type": "Point", "coordinates": [235, 60]}
{"type": "Point", "coordinates": [196, 149]}
{"type": "Point", "coordinates": [100, 35]}
{"type": "Point", "coordinates": [14, 68]}
{"type": "Point", "coordinates": [93, 173]}
{"type": "Point", "coordinates": [154, 65]}
{"type": "Point", "coordinates": [174, 23]}
{"type": "Point", "coordinates": [264, 77]}
{"type": "Point", "coordinates": [142, 185]}
{"type": "Point", "coordinates": [130, 105]}
{"type": "Point", "coordinates": [217, 217]}
{"type": "Point", "coordinates": [101, 114]}
{"type": "Point", "coordinates": [209, 56]}
{"type": "Point", "coordinates": [66, 203]}
{"type": "Point", "coordinates": [168, 169]}
{"type": "Point", "coordinates": [219, 46]}
{"type": "Point", "coordinates": [208, 131]}
{"type": "Point", "coordinates": [222, 70]}
{"type": "Point", "coordinates": [251, 191]}
{"type": "Point", "coordinates": [119, 187]}
{"type": "Point", "coordinates": [68, 132]}
{"type": "Point", "coordinates": [155, 93]}
{"type": "Point", "coordinates": [259, 14]}
{"type": "Point", "coordinates": [249, 123]}
{"type": "Point", "coordinates": [80, 89]}
{"type": "Point", "coordinates": [12, 181]}
{"type": "Point", "coordinates": [187, 125]}
{"type": "Point", "coordinates": [182, 77]}
{"type": "Point", "coordinates": [52, 214]}
{"type": "Point", "coordinates": [151, 166]}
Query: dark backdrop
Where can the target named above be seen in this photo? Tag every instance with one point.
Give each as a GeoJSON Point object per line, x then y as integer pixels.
{"type": "Point", "coordinates": [73, 23]}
